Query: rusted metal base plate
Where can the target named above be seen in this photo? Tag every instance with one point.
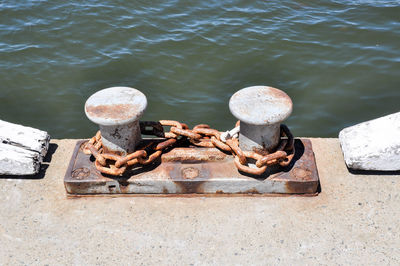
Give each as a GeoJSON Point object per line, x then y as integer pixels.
{"type": "Point", "coordinates": [193, 170]}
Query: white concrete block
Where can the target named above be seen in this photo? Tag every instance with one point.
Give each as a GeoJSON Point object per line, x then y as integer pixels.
{"type": "Point", "coordinates": [21, 149]}
{"type": "Point", "coordinates": [25, 137]}
{"type": "Point", "coordinates": [373, 145]}
{"type": "Point", "coordinates": [18, 161]}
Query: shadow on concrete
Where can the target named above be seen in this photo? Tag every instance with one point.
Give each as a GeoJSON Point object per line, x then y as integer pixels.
{"type": "Point", "coordinates": [319, 188]}
{"type": "Point", "coordinates": [372, 172]}
{"type": "Point", "coordinates": [43, 167]}
{"type": "Point", "coordinates": [52, 149]}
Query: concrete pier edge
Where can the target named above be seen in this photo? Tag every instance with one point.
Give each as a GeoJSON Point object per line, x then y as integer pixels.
{"type": "Point", "coordinates": [354, 220]}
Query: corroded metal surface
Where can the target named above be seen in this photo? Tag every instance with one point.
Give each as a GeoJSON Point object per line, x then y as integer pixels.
{"type": "Point", "coordinates": [195, 171]}
{"type": "Point", "coordinates": [260, 105]}
{"type": "Point", "coordinates": [115, 106]}
{"type": "Point", "coordinates": [260, 110]}
{"type": "Point", "coordinates": [117, 111]}
{"type": "Point", "coordinates": [148, 152]}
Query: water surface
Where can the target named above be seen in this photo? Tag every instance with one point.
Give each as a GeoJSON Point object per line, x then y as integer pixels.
{"type": "Point", "coordinates": [338, 60]}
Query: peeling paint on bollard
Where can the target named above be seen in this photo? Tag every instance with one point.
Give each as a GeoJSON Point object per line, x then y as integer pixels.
{"type": "Point", "coordinates": [260, 110]}
{"type": "Point", "coordinates": [117, 111]}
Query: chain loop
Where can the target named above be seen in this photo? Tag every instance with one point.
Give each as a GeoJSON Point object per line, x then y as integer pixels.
{"type": "Point", "coordinates": [201, 135]}
{"type": "Point", "coordinates": [124, 160]}
{"type": "Point", "coordinates": [165, 144]}
{"type": "Point", "coordinates": [278, 155]}
{"type": "Point", "coordinates": [244, 168]}
{"type": "Point", "coordinates": [234, 145]}
{"type": "Point", "coordinates": [208, 132]}
{"type": "Point", "coordinates": [171, 123]}
{"type": "Point", "coordinates": [219, 144]}
{"type": "Point", "coordinates": [185, 132]}
{"type": "Point", "coordinates": [112, 170]}
{"type": "Point", "coordinates": [152, 157]}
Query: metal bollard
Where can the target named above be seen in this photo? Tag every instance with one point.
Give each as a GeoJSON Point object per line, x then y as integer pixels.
{"type": "Point", "coordinates": [260, 109]}
{"type": "Point", "coordinates": [182, 169]}
{"type": "Point", "coordinates": [117, 111]}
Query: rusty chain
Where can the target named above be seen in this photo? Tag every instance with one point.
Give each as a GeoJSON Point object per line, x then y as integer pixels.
{"type": "Point", "coordinates": [201, 135]}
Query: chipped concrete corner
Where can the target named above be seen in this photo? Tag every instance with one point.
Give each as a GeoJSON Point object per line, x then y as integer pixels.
{"type": "Point", "coordinates": [373, 145]}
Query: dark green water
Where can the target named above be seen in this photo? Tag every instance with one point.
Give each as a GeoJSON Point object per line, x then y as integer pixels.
{"type": "Point", "coordinates": [338, 60]}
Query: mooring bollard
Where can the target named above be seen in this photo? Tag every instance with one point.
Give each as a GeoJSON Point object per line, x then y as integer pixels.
{"type": "Point", "coordinates": [117, 111]}
{"type": "Point", "coordinates": [260, 109]}
{"type": "Point", "coordinates": [200, 160]}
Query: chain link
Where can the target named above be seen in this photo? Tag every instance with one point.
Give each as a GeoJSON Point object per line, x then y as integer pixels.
{"type": "Point", "coordinates": [201, 135]}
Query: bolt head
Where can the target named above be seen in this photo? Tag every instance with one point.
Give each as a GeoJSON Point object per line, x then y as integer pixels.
{"type": "Point", "coordinates": [115, 106]}
{"type": "Point", "coordinates": [260, 105]}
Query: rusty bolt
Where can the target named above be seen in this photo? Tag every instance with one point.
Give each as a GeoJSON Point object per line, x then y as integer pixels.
{"type": "Point", "coordinates": [260, 109]}
{"type": "Point", "coordinates": [117, 111]}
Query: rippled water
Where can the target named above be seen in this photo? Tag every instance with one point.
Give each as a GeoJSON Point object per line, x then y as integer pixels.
{"type": "Point", "coordinates": [338, 60]}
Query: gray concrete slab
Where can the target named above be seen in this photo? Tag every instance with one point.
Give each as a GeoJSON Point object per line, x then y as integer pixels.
{"type": "Point", "coordinates": [354, 220]}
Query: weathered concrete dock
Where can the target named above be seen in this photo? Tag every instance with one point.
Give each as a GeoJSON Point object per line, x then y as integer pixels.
{"type": "Point", "coordinates": [354, 220]}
